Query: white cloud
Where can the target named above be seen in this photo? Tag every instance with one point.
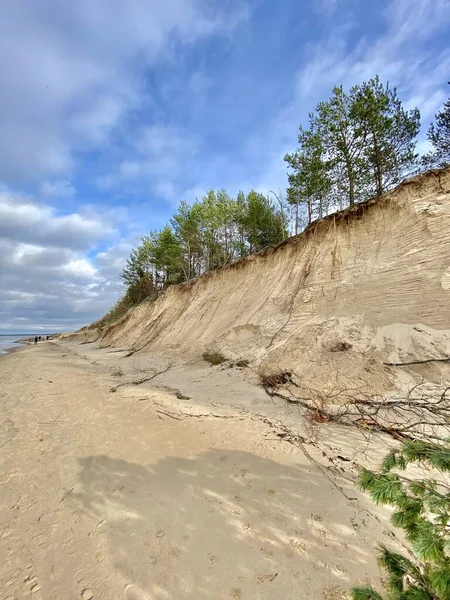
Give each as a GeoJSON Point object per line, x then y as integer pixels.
{"type": "Point", "coordinates": [33, 223]}
{"type": "Point", "coordinates": [51, 278]}
{"type": "Point", "coordinates": [74, 77]}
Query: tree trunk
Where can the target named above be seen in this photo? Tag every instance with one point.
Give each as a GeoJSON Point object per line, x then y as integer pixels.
{"type": "Point", "coordinates": [378, 173]}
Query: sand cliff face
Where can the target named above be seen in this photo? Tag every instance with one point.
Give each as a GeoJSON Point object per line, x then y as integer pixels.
{"type": "Point", "coordinates": [374, 280]}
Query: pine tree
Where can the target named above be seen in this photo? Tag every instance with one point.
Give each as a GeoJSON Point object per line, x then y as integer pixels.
{"type": "Point", "coordinates": [439, 136]}
{"type": "Point", "coordinates": [341, 137]}
{"type": "Point", "coordinates": [388, 133]}
{"type": "Point", "coordinates": [422, 510]}
{"type": "Point", "coordinates": [310, 183]}
{"type": "Point", "coordinates": [358, 143]}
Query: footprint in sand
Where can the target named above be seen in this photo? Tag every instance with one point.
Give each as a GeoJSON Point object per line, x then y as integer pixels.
{"type": "Point", "coordinates": [175, 552]}
{"type": "Point", "coordinates": [212, 559]}
{"type": "Point", "coordinates": [236, 593]}
{"type": "Point", "coordinates": [34, 587]}
{"type": "Point", "coordinates": [299, 545]}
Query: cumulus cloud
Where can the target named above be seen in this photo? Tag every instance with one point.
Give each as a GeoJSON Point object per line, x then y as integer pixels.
{"type": "Point", "coordinates": [28, 222]}
{"type": "Point", "coordinates": [51, 276]}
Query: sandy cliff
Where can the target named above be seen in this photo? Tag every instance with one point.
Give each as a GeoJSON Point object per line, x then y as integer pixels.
{"type": "Point", "coordinates": [374, 280]}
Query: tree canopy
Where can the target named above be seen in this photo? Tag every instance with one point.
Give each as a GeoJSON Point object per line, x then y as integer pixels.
{"type": "Point", "coordinates": [358, 145]}
{"type": "Point", "coordinates": [208, 234]}
{"type": "Point", "coordinates": [439, 137]}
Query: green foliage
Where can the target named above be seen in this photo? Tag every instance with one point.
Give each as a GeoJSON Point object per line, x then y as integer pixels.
{"type": "Point", "coordinates": [208, 234]}
{"type": "Point", "coordinates": [261, 223]}
{"type": "Point", "coordinates": [365, 593]}
{"type": "Point", "coordinates": [214, 358]}
{"type": "Point", "coordinates": [388, 133]}
{"type": "Point", "coordinates": [310, 183]}
{"type": "Point", "coordinates": [439, 136]}
{"type": "Point", "coordinates": [340, 132]}
{"type": "Point", "coordinates": [422, 510]}
{"type": "Point", "coordinates": [358, 144]}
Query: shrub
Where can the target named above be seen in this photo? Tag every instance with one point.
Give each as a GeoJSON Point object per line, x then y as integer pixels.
{"type": "Point", "coordinates": [242, 363]}
{"type": "Point", "coordinates": [214, 358]}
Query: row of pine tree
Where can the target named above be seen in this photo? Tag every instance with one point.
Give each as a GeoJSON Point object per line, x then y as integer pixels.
{"type": "Point", "coordinates": [358, 144]}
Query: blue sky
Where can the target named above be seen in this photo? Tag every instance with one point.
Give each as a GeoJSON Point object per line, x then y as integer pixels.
{"type": "Point", "coordinates": [111, 112]}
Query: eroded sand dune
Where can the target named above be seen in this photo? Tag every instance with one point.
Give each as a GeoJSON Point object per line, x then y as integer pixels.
{"type": "Point", "coordinates": [140, 472]}
{"type": "Point", "coordinates": [376, 277]}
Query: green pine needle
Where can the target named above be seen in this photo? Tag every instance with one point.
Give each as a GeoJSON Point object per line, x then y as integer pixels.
{"type": "Point", "coordinates": [440, 580]}
{"type": "Point", "coordinates": [386, 489]}
{"type": "Point", "coordinates": [423, 513]}
{"type": "Point", "coordinates": [366, 593]}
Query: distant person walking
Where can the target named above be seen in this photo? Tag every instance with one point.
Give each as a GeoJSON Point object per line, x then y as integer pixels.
{"type": "Point", "coordinates": [35, 339]}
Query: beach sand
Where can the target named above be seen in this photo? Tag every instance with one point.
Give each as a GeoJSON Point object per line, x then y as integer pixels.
{"type": "Point", "coordinates": [113, 489]}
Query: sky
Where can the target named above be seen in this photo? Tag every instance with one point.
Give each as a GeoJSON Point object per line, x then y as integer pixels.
{"type": "Point", "coordinates": [113, 111]}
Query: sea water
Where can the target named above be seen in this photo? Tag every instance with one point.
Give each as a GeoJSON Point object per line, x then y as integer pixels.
{"type": "Point", "coordinates": [8, 341]}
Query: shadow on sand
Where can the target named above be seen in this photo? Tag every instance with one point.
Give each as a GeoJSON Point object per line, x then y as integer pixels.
{"type": "Point", "coordinates": [225, 524]}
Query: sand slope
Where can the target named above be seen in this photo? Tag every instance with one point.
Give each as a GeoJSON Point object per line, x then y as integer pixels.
{"type": "Point", "coordinates": [135, 494]}
{"type": "Point", "coordinates": [376, 277]}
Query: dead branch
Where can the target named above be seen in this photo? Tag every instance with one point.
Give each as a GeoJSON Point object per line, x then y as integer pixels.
{"type": "Point", "coordinates": [140, 381]}
{"type": "Point", "coordinates": [416, 362]}
{"type": "Point", "coordinates": [419, 414]}
{"type": "Point", "coordinates": [161, 412]}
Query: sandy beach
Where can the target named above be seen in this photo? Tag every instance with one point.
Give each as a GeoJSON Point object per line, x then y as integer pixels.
{"type": "Point", "coordinates": [183, 486]}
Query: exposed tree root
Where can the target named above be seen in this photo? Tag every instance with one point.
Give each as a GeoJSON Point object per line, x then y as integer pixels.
{"type": "Point", "coordinates": [420, 414]}
{"type": "Point", "coordinates": [140, 381]}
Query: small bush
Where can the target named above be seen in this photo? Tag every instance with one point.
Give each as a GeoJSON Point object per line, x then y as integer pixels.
{"type": "Point", "coordinates": [276, 379]}
{"type": "Point", "coordinates": [242, 363]}
{"type": "Point", "coordinates": [214, 358]}
{"type": "Point", "coordinates": [339, 346]}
